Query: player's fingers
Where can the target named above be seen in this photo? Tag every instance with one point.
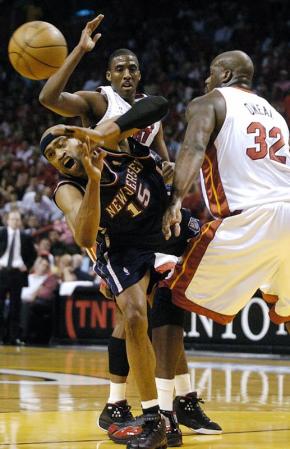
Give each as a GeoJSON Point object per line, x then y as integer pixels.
{"type": "Point", "coordinates": [176, 229]}
{"type": "Point", "coordinates": [97, 37]}
{"type": "Point", "coordinates": [88, 144]}
{"type": "Point", "coordinates": [101, 155]}
{"type": "Point", "coordinates": [92, 24]}
{"type": "Point", "coordinates": [166, 228]}
{"type": "Point", "coordinates": [85, 151]}
{"type": "Point", "coordinates": [69, 131]}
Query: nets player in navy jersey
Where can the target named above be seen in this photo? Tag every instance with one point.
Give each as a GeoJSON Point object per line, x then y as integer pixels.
{"type": "Point", "coordinates": [127, 217]}
{"type": "Point", "coordinates": [124, 177]}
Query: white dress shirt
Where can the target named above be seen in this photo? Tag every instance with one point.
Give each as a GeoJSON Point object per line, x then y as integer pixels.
{"type": "Point", "coordinates": [17, 259]}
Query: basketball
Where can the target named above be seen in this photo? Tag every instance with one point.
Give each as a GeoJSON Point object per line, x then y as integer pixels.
{"type": "Point", "coordinates": [37, 49]}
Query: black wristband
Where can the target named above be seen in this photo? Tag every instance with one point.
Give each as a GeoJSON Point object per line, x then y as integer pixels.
{"type": "Point", "coordinates": [143, 113]}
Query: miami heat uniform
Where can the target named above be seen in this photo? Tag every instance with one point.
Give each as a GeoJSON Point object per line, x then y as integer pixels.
{"type": "Point", "coordinates": [133, 201]}
{"type": "Point", "coordinates": [118, 106]}
{"type": "Point", "coordinates": [246, 185]}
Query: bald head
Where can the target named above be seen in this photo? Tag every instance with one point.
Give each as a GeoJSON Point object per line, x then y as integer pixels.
{"type": "Point", "coordinates": [238, 62]}
{"type": "Point", "coordinates": [231, 68]}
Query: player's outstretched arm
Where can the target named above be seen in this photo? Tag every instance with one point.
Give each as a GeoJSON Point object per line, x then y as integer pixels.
{"type": "Point", "coordinates": [111, 131]}
{"type": "Point", "coordinates": [52, 96]}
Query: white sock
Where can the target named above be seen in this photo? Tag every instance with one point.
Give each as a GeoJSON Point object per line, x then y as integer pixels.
{"type": "Point", "coordinates": [117, 392]}
{"type": "Point", "coordinates": [165, 389]}
{"type": "Point", "coordinates": [182, 384]}
{"type": "Point", "coordinates": [149, 404]}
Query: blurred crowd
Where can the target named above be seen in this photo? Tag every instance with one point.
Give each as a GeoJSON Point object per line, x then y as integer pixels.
{"type": "Point", "coordinates": [174, 49]}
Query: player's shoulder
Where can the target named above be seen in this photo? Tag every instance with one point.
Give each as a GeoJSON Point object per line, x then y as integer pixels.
{"type": "Point", "coordinates": [66, 184]}
{"type": "Point", "coordinates": [210, 100]}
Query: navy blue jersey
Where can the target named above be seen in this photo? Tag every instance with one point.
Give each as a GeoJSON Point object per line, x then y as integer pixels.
{"type": "Point", "coordinates": [133, 201]}
{"type": "Point", "coordinates": [133, 198]}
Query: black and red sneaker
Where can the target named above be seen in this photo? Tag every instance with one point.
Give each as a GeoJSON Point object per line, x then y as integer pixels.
{"type": "Point", "coordinates": [153, 435]}
{"type": "Point", "coordinates": [122, 434]}
{"type": "Point", "coordinates": [119, 412]}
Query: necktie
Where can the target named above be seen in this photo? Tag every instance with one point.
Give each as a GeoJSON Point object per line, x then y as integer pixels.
{"type": "Point", "coordinates": [11, 251]}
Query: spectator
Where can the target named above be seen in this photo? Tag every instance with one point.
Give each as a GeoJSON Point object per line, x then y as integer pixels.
{"type": "Point", "coordinates": [81, 275]}
{"type": "Point", "coordinates": [37, 298]}
{"type": "Point", "coordinates": [17, 255]}
{"type": "Point", "coordinates": [40, 205]}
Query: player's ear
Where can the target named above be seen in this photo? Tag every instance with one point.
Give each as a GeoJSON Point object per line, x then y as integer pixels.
{"type": "Point", "coordinates": [108, 75]}
{"type": "Point", "coordinates": [228, 74]}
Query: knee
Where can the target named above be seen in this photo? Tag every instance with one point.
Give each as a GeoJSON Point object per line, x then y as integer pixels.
{"type": "Point", "coordinates": [135, 319]}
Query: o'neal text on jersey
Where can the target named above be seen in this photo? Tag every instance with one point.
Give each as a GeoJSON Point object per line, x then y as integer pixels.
{"type": "Point", "coordinates": [132, 186]}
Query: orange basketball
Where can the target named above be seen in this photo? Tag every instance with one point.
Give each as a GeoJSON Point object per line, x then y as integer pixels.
{"type": "Point", "coordinates": [37, 49]}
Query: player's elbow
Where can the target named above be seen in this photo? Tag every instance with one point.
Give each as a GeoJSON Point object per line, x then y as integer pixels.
{"type": "Point", "coordinates": [46, 99]}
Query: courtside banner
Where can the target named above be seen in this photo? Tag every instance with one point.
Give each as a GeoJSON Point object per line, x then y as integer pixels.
{"type": "Point", "coordinates": [85, 316]}
{"type": "Point", "coordinates": [251, 330]}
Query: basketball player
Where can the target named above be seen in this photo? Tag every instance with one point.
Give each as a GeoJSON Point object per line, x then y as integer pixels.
{"type": "Point", "coordinates": [127, 219]}
{"type": "Point", "coordinates": [124, 75]}
{"type": "Point", "coordinates": [240, 143]}
{"type": "Point", "coordinates": [94, 107]}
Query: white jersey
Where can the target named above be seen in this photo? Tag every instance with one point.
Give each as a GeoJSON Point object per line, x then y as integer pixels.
{"type": "Point", "coordinates": [249, 162]}
{"type": "Point", "coordinates": [118, 106]}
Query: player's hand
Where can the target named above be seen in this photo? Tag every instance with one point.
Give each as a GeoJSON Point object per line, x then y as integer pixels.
{"type": "Point", "coordinates": [168, 171]}
{"type": "Point", "coordinates": [87, 41]}
{"type": "Point", "coordinates": [171, 220]}
{"type": "Point", "coordinates": [93, 161]}
{"type": "Point", "coordinates": [71, 131]}
{"type": "Point", "coordinates": [107, 134]}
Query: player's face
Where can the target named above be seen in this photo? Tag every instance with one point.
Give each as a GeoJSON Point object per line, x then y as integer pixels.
{"type": "Point", "coordinates": [124, 75]}
{"type": "Point", "coordinates": [64, 153]}
{"type": "Point", "coordinates": [215, 78]}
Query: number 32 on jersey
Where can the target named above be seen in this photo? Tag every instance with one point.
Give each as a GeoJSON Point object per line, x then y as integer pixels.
{"type": "Point", "coordinates": [262, 148]}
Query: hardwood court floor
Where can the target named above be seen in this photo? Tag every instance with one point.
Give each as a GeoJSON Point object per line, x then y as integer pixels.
{"type": "Point", "coordinates": [50, 399]}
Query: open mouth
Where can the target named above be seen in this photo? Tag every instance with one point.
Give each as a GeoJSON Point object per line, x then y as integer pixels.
{"type": "Point", "coordinates": [69, 163]}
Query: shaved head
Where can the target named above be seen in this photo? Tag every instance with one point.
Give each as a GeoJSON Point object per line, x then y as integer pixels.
{"type": "Point", "coordinates": [232, 68]}
{"type": "Point", "coordinates": [237, 61]}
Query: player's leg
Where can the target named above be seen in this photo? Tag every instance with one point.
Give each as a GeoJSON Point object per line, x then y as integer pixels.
{"type": "Point", "coordinates": [278, 292]}
{"type": "Point", "coordinates": [117, 408]}
{"type": "Point", "coordinates": [278, 288]}
{"type": "Point", "coordinates": [172, 369]}
{"type": "Point", "coordinates": [133, 304]}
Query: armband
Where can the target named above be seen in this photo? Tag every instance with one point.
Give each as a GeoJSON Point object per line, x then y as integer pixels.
{"type": "Point", "coordinates": [143, 113]}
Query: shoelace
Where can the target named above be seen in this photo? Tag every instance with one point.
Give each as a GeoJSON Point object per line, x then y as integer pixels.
{"type": "Point", "coordinates": [194, 406]}
{"type": "Point", "coordinates": [125, 410]}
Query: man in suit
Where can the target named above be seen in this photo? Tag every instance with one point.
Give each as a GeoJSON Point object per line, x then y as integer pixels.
{"type": "Point", "coordinates": [17, 255]}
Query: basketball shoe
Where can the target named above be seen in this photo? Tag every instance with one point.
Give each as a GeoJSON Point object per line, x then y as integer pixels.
{"type": "Point", "coordinates": [190, 414]}
{"type": "Point", "coordinates": [122, 433]}
{"type": "Point", "coordinates": [173, 432]}
{"type": "Point", "coordinates": [119, 413]}
{"type": "Point", "coordinates": [153, 435]}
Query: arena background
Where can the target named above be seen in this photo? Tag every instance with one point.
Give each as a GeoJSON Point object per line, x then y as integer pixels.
{"type": "Point", "coordinates": [175, 47]}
